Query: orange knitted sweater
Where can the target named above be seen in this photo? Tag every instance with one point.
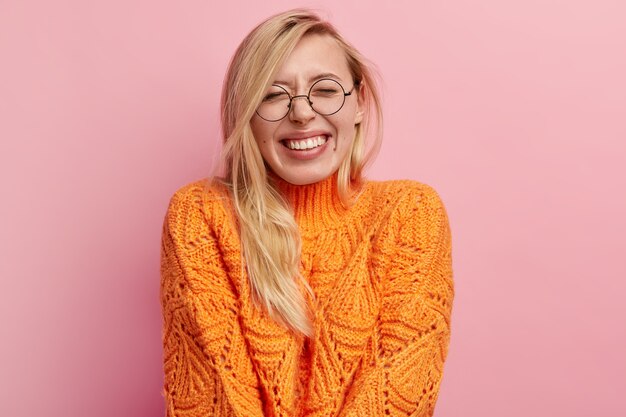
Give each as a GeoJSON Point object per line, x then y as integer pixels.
{"type": "Point", "coordinates": [381, 272]}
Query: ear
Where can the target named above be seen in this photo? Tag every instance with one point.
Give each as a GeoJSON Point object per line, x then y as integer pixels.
{"type": "Point", "coordinates": [360, 103]}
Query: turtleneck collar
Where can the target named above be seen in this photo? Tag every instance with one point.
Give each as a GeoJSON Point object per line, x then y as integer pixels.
{"type": "Point", "coordinates": [316, 206]}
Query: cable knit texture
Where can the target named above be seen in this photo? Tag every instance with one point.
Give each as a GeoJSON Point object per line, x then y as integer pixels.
{"type": "Point", "coordinates": [381, 272]}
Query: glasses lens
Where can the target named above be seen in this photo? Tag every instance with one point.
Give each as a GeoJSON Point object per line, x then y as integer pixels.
{"type": "Point", "coordinates": [275, 104]}
{"type": "Point", "coordinates": [327, 96]}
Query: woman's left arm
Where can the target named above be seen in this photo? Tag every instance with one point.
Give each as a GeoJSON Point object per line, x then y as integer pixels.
{"type": "Point", "coordinates": [414, 326]}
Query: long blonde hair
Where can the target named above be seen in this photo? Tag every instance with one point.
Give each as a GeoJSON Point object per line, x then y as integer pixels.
{"type": "Point", "coordinates": [270, 239]}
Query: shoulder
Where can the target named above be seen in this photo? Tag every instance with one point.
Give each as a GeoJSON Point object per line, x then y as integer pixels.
{"type": "Point", "coordinates": [406, 196]}
{"type": "Point", "coordinates": [199, 192]}
{"type": "Point", "coordinates": [198, 204]}
{"type": "Point", "coordinates": [414, 211]}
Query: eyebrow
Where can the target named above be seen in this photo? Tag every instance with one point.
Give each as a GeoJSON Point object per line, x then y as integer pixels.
{"type": "Point", "coordinates": [312, 79]}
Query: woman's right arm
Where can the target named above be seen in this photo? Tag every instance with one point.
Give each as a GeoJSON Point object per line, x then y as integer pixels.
{"type": "Point", "coordinates": [190, 381]}
{"type": "Point", "coordinates": [201, 333]}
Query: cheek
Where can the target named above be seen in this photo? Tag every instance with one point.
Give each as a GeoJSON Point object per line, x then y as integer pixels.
{"type": "Point", "coordinates": [257, 129]}
{"type": "Point", "coordinates": [349, 119]}
{"type": "Point", "coordinates": [346, 129]}
{"type": "Point", "coordinates": [262, 134]}
{"type": "Point", "coordinates": [267, 151]}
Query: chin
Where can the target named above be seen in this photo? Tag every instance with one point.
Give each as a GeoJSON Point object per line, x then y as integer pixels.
{"type": "Point", "coordinates": [306, 179]}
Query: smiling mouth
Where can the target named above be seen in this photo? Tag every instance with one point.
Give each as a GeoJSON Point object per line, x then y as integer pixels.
{"type": "Point", "coordinates": [305, 144]}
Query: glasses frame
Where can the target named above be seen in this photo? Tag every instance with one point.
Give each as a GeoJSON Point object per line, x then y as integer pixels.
{"type": "Point", "coordinates": [308, 99]}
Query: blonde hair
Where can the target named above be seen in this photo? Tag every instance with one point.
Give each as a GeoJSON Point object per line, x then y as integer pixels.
{"type": "Point", "coordinates": [270, 239]}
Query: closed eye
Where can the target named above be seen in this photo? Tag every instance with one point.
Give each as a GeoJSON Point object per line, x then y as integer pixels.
{"type": "Point", "coordinates": [325, 91]}
{"type": "Point", "coordinates": [275, 96]}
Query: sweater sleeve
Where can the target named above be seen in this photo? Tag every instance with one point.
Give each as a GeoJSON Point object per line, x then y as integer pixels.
{"type": "Point", "coordinates": [413, 335]}
{"type": "Point", "coordinates": [187, 371]}
{"type": "Point", "coordinates": [198, 307]}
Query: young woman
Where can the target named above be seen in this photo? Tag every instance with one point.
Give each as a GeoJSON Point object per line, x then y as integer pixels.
{"type": "Point", "coordinates": [291, 286]}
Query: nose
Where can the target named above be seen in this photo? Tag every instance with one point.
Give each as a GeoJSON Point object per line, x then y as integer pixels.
{"type": "Point", "coordinates": [301, 111]}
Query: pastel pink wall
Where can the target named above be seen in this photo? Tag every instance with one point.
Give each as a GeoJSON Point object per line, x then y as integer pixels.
{"type": "Point", "coordinates": [514, 111]}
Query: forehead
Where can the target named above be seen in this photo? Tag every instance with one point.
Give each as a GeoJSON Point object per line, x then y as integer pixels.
{"type": "Point", "coordinates": [313, 55]}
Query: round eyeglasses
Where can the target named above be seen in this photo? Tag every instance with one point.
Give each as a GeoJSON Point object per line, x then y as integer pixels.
{"type": "Point", "coordinates": [326, 96]}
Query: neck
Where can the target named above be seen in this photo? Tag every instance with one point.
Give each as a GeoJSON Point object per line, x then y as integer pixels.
{"type": "Point", "coordinates": [316, 206]}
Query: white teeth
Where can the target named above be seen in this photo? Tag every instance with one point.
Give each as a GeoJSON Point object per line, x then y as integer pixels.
{"type": "Point", "coordinates": [308, 143]}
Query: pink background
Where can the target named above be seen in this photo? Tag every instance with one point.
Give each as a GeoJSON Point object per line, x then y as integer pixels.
{"type": "Point", "coordinates": [514, 111]}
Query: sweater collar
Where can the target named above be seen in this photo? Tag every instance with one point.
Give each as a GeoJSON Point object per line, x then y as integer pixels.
{"type": "Point", "coordinates": [315, 206]}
